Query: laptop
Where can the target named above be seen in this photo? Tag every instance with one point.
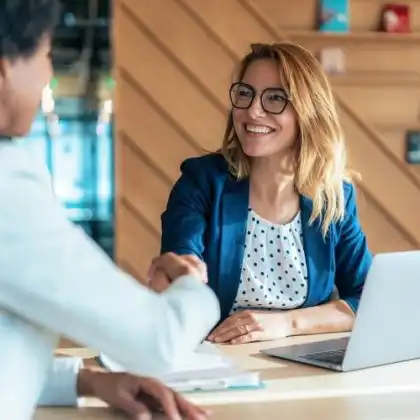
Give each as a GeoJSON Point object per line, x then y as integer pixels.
{"type": "Point", "coordinates": [386, 325]}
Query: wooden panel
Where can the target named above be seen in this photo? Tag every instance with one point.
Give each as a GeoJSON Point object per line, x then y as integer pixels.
{"type": "Point", "coordinates": [143, 186]}
{"type": "Point", "coordinates": [391, 104]}
{"type": "Point", "coordinates": [375, 97]}
{"type": "Point", "coordinates": [136, 244]}
{"type": "Point", "coordinates": [166, 82]}
{"type": "Point", "coordinates": [375, 223]}
{"type": "Point", "coordinates": [173, 63]}
{"type": "Point", "coordinates": [383, 178]}
{"type": "Point", "coordinates": [302, 16]}
{"type": "Point", "coordinates": [172, 26]}
{"type": "Point", "coordinates": [394, 139]}
{"type": "Point", "coordinates": [231, 23]}
{"type": "Point", "coordinates": [162, 140]}
{"type": "Point", "coordinates": [370, 54]}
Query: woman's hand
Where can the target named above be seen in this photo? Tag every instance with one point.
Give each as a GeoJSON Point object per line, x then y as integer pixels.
{"type": "Point", "coordinates": [252, 325]}
{"type": "Point", "coordinates": [166, 268]}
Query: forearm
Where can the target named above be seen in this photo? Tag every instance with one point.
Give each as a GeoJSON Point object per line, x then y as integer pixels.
{"type": "Point", "coordinates": [334, 316]}
{"type": "Point", "coordinates": [56, 277]}
{"type": "Point", "coordinates": [85, 381]}
{"type": "Point", "coordinates": [80, 294]}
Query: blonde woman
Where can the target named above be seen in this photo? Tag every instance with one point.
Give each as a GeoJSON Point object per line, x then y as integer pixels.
{"type": "Point", "coordinates": [273, 212]}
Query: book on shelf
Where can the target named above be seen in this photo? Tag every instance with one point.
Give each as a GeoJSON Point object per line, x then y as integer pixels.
{"type": "Point", "coordinates": [334, 16]}
{"type": "Point", "coordinates": [332, 60]}
{"type": "Point", "coordinates": [395, 18]}
{"type": "Point", "coordinates": [412, 147]}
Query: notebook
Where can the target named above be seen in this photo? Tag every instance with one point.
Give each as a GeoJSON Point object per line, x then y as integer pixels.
{"type": "Point", "coordinates": [207, 369]}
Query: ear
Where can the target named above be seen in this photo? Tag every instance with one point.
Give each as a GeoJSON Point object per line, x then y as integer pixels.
{"type": "Point", "coordinates": [5, 69]}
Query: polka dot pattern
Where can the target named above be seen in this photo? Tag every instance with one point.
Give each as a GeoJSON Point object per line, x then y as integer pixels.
{"type": "Point", "coordinates": [274, 273]}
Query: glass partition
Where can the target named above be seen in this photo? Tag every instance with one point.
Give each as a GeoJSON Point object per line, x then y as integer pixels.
{"type": "Point", "coordinates": [79, 153]}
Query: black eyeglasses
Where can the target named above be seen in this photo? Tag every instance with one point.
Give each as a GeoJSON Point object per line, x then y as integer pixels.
{"type": "Point", "coordinates": [273, 100]}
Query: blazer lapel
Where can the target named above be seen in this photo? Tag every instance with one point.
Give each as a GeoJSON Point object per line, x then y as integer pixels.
{"type": "Point", "coordinates": [317, 254]}
{"type": "Point", "coordinates": [234, 208]}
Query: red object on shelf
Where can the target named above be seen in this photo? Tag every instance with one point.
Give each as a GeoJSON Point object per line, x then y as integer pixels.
{"type": "Point", "coordinates": [396, 18]}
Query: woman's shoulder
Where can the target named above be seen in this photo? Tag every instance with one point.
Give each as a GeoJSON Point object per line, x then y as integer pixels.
{"type": "Point", "coordinates": [211, 165]}
{"type": "Point", "coordinates": [350, 193]}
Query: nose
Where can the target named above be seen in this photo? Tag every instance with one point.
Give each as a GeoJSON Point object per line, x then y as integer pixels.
{"type": "Point", "coordinates": [256, 110]}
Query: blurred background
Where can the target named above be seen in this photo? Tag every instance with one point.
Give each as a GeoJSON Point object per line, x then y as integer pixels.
{"type": "Point", "coordinates": [73, 132]}
{"type": "Point", "coordinates": [163, 67]}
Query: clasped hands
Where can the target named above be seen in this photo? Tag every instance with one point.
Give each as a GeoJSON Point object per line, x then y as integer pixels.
{"type": "Point", "coordinates": [138, 397]}
{"type": "Point", "coordinates": [244, 326]}
{"type": "Point", "coordinates": [168, 267]}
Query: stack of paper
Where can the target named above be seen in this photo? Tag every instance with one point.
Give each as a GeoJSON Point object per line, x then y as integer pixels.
{"type": "Point", "coordinates": [207, 369]}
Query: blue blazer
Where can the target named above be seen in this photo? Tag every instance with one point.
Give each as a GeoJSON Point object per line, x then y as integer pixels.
{"type": "Point", "coordinates": [206, 215]}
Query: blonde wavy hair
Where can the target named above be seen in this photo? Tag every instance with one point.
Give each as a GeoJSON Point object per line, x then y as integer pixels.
{"type": "Point", "coordinates": [321, 165]}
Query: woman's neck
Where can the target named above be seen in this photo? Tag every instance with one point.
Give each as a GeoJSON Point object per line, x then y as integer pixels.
{"type": "Point", "coordinates": [271, 180]}
{"type": "Point", "coordinates": [272, 191]}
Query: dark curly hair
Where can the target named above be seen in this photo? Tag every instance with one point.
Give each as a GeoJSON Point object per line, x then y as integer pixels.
{"type": "Point", "coordinates": [24, 24]}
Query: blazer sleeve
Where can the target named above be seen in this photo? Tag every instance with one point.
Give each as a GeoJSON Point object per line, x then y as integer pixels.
{"type": "Point", "coordinates": [184, 221]}
{"type": "Point", "coordinates": [353, 258]}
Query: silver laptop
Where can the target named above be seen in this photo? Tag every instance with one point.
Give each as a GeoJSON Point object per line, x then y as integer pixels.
{"type": "Point", "coordinates": [386, 324]}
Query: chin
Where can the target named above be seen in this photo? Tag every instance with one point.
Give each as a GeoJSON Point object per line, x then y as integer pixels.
{"type": "Point", "coordinates": [256, 150]}
{"type": "Point", "coordinates": [253, 152]}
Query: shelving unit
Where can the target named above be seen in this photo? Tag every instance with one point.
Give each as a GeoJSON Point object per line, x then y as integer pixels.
{"type": "Point", "coordinates": [371, 78]}
{"type": "Point", "coordinates": [344, 37]}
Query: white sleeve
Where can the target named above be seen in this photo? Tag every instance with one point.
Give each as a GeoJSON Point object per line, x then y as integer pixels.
{"type": "Point", "coordinates": [26, 351]}
{"type": "Point", "coordinates": [52, 274]}
{"type": "Point", "coordinates": [61, 384]}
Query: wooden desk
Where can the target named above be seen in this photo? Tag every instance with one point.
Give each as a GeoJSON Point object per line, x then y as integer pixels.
{"type": "Point", "coordinates": [294, 391]}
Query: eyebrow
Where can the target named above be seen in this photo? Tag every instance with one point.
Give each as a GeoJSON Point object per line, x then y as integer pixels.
{"type": "Point", "coordinates": [266, 87]}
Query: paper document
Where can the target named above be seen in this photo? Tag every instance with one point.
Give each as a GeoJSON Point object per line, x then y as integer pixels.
{"type": "Point", "coordinates": [206, 369]}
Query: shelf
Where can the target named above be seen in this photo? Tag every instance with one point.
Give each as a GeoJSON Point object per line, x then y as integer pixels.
{"type": "Point", "coordinates": [397, 127]}
{"type": "Point", "coordinates": [372, 36]}
{"type": "Point", "coordinates": [377, 78]}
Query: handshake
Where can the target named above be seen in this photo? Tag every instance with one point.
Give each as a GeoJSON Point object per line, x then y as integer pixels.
{"type": "Point", "coordinates": [168, 267]}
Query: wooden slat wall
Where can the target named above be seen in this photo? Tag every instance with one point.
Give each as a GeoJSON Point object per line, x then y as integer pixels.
{"type": "Point", "coordinates": [173, 62]}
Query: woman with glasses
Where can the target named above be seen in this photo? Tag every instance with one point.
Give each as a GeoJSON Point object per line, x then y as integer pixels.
{"type": "Point", "coordinates": [273, 212]}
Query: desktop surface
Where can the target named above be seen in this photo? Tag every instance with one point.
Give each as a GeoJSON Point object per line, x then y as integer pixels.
{"type": "Point", "coordinates": [296, 391]}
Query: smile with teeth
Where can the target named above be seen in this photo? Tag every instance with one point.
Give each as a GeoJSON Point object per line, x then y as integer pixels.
{"type": "Point", "coordinates": [258, 129]}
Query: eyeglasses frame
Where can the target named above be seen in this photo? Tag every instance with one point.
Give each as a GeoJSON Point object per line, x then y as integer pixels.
{"type": "Point", "coordinates": [254, 95]}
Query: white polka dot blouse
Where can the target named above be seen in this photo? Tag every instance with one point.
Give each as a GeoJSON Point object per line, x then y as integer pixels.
{"type": "Point", "coordinates": [274, 273]}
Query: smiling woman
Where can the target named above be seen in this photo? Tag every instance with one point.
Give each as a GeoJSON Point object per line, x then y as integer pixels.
{"type": "Point", "coordinates": [273, 212]}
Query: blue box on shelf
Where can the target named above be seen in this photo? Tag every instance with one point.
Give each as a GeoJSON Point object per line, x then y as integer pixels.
{"type": "Point", "coordinates": [334, 15]}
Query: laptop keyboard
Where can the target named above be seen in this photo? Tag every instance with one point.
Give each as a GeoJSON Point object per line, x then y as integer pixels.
{"type": "Point", "coordinates": [335, 357]}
